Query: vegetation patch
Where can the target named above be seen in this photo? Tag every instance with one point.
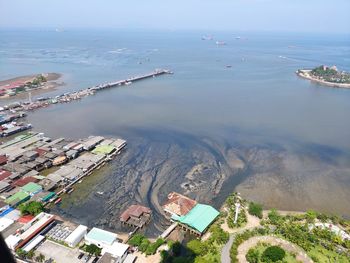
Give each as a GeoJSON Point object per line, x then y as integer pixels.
{"type": "Point", "coordinates": [255, 209]}
{"type": "Point", "coordinates": [144, 245]}
{"type": "Point", "coordinates": [31, 208]}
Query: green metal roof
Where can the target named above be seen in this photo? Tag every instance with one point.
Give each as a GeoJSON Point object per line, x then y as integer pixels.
{"type": "Point", "coordinates": [31, 188]}
{"type": "Point", "coordinates": [104, 149]}
{"type": "Point", "coordinates": [100, 235]}
{"type": "Point", "coordinates": [48, 196]}
{"type": "Point", "coordinates": [199, 217]}
{"type": "Point", "coordinates": [18, 197]}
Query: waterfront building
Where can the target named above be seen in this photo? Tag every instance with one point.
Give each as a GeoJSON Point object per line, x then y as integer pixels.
{"type": "Point", "coordinates": [136, 215]}
{"type": "Point", "coordinates": [100, 238]}
{"type": "Point", "coordinates": [76, 236]}
{"type": "Point", "coordinates": [198, 219]}
{"type": "Point", "coordinates": [178, 204]}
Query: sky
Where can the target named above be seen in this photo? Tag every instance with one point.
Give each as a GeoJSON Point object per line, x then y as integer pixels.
{"type": "Point", "coordinates": [241, 15]}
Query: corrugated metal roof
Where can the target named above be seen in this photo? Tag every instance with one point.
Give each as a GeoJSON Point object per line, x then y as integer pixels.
{"type": "Point", "coordinates": [199, 218]}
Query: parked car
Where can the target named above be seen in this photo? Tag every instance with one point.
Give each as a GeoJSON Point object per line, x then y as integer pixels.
{"type": "Point", "coordinates": [80, 255]}
{"type": "Point", "coordinates": [95, 260]}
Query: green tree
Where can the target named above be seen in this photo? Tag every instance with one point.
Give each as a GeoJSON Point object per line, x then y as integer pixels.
{"type": "Point", "coordinates": [32, 208]}
{"type": "Point", "coordinates": [176, 248]}
{"type": "Point", "coordinates": [274, 217]}
{"type": "Point", "coordinates": [197, 247]}
{"type": "Point", "coordinates": [255, 209]}
{"type": "Point", "coordinates": [30, 254]}
{"type": "Point", "coordinates": [21, 253]}
{"type": "Point", "coordinates": [273, 254]}
{"type": "Point", "coordinates": [92, 249]}
{"type": "Point", "coordinates": [136, 240]}
{"type": "Point", "coordinates": [40, 258]}
{"type": "Point", "coordinates": [252, 256]}
{"type": "Point", "coordinates": [311, 215]}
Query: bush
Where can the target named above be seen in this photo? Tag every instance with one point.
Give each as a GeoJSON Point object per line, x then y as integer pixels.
{"type": "Point", "coordinates": [93, 250]}
{"type": "Point", "coordinates": [152, 248]}
{"type": "Point", "coordinates": [252, 256]}
{"type": "Point", "coordinates": [255, 209]}
{"type": "Point", "coordinates": [274, 217]}
{"type": "Point", "coordinates": [273, 254]}
{"type": "Point", "coordinates": [32, 208]}
{"type": "Point", "coordinates": [197, 247]}
{"type": "Point", "coordinates": [136, 240]}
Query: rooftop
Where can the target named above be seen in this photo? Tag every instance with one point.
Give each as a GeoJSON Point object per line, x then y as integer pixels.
{"type": "Point", "coordinates": [199, 218]}
{"type": "Point", "coordinates": [134, 210]}
{"type": "Point", "coordinates": [18, 197]}
{"type": "Point", "coordinates": [31, 188]}
{"type": "Point", "coordinates": [100, 235]}
{"type": "Point", "coordinates": [103, 149]}
{"type": "Point", "coordinates": [179, 204]}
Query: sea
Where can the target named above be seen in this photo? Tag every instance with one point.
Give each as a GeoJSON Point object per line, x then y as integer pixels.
{"type": "Point", "coordinates": [242, 97]}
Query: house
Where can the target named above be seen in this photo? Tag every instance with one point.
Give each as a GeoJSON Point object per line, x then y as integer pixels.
{"type": "Point", "coordinates": [198, 219]}
{"type": "Point", "coordinates": [178, 204]}
{"type": "Point", "coordinates": [117, 250]}
{"type": "Point", "coordinates": [136, 215]}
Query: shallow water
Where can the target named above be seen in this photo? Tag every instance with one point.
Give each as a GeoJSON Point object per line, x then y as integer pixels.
{"type": "Point", "coordinates": [291, 135]}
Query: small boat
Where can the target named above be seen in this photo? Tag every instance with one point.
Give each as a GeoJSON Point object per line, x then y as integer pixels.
{"type": "Point", "coordinates": [220, 43]}
{"type": "Point", "coordinates": [128, 83]}
{"type": "Point", "coordinates": [100, 193]}
{"type": "Point", "coordinates": [80, 181]}
{"type": "Point", "coordinates": [70, 190]}
{"type": "Point", "coordinates": [58, 200]}
{"type": "Point", "coordinates": [228, 66]}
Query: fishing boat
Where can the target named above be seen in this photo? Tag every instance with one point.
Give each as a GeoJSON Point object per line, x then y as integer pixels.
{"type": "Point", "coordinates": [58, 200]}
{"type": "Point", "coordinates": [70, 190]}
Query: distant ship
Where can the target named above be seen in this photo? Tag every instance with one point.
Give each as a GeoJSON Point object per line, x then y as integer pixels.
{"type": "Point", "coordinates": [207, 38]}
{"type": "Point", "coordinates": [238, 37]}
{"type": "Point", "coordinates": [220, 43]}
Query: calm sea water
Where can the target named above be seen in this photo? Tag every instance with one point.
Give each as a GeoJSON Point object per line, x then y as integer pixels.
{"type": "Point", "coordinates": [259, 100]}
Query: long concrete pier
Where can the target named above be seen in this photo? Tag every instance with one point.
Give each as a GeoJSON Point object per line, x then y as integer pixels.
{"type": "Point", "coordinates": [76, 95]}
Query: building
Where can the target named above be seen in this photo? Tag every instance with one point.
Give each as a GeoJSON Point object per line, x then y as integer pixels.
{"type": "Point", "coordinates": [198, 219]}
{"type": "Point", "coordinates": [76, 236]}
{"type": "Point", "coordinates": [117, 250]}
{"type": "Point", "coordinates": [120, 144]}
{"type": "Point", "coordinates": [136, 215]}
{"type": "Point", "coordinates": [31, 188]}
{"type": "Point", "coordinates": [17, 198]}
{"type": "Point", "coordinates": [100, 238]}
{"type": "Point", "coordinates": [178, 204]}
{"type": "Point", "coordinates": [29, 231]}
{"type": "Point", "coordinates": [104, 149]}
{"type": "Point", "coordinates": [5, 223]}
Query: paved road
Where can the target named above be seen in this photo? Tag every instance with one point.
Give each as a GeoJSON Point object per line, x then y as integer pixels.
{"type": "Point", "coordinates": [225, 252]}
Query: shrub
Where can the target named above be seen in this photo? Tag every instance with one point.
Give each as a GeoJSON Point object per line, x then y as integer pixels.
{"type": "Point", "coordinates": [274, 217]}
{"type": "Point", "coordinates": [152, 248]}
{"type": "Point", "coordinates": [32, 208]}
{"type": "Point", "coordinates": [255, 209]}
{"type": "Point", "coordinates": [136, 240]}
{"type": "Point", "coordinates": [252, 256]}
{"type": "Point", "coordinates": [273, 254]}
{"type": "Point", "coordinates": [196, 246]}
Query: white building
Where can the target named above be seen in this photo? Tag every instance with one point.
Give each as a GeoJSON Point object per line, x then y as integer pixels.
{"type": "Point", "coordinates": [5, 223]}
{"type": "Point", "coordinates": [117, 250]}
{"type": "Point", "coordinates": [76, 236]}
{"type": "Point", "coordinates": [100, 238]}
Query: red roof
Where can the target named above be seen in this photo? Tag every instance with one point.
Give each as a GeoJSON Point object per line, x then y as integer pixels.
{"type": "Point", "coordinates": [14, 84]}
{"type": "Point", "coordinates": [134, 210]}
{"type": "Point", "coordinates": [40, 151]}
{"type": "Point", "coordinates": [4, 174]}
{"type": "Point", "coordinates": [23, 181]}
{"type": "Point", "coordinates": [25, 219]}
{"type": "Point", "coordinates": [179, 204]}
{"type": "Point", "coordinates": [3, 159]}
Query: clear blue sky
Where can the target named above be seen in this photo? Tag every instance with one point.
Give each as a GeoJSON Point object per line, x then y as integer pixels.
{"type": "Point", "coordinates": [254, 15]}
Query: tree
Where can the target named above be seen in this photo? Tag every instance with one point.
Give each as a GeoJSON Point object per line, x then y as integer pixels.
{"type": "Point", "coordinates": [40, 258]}
{"type": "Point", "coordinates": [92, 249]}
{"type": "Point", "coordinates": [196, 246]}
{"type": "Point", "coordinates": [274, 216]}
{"type": "Point", "coordinates": [136, 240]}
{"type": "Point", "coordinates": [30, 254]}
{"type": "Point", "coordinates": [255, 209]}
{"type": "Point", "coordinates": [176, 248]}
{"type": "Point", "coordinates": [252, 256]}
{"type": "Point", "coordinates": [21, 253]}
{"type": "Point", "coordinates": [32, 208]}
{"type": "Point", "coordinates": [273, 254]}
{"type": "Point", "coordinates": [311, 216]}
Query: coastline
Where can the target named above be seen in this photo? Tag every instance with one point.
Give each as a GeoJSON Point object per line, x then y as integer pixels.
{"type": "Point", "coordinates": [304, 73]}
{"type": "Point", "coordinates": [48, 86]}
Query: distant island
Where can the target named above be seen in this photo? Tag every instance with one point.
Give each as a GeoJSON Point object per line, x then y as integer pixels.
{"type": "Point", "coordinates": [36, 83]}
{"type": "Point", "coordinates": [329, 76]}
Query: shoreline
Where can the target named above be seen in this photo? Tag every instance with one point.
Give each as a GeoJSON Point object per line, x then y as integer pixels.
{"type": "Point", "coordinates": [48, 86]}
{"type": "Point", "coordinates": [304, 73]}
